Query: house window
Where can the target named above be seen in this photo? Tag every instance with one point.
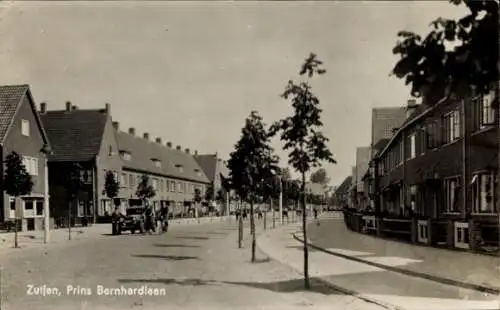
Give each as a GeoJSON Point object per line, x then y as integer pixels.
{"type": "Point", "coordinates": [179, 187]}
{"type": "Point", "coordinates": [124, 179]}
{"type": "Point", "coordinates": [31, 165]}
{"type": "Point", "coordinates": [157, 163]}
{"type": "Point", "coordinates": [487, 110]}
{"type": "Point", "coordinates": [12, 203]}
{"type": "Point", "coordinates": [452, 126]}
{"type": "Point", "coordinates": [131, 180]}
{"type": "Point", "coordinates": [432, 135]}
{"type": "Point", "coordinates": [86, 176]}
{"type": "Point", "coordinates": [25, 127]}
{"type": "Point", "coordinates": [110, 150]}
{"type": "Point", "coordinates": [126, 156]}
{"type": "Point", "coordinates": [39, 207]}
{"type": "Point", "coordinates": [422, 140]}
{"type": "Point", "coordinates": [155, 184]}
{"type": "Point", "coordinates": [28, 204]}
{"type": "Point", "coordinates": [484, 193]}
{"type": "Point", "coordinates": [413, 145]}
{"type": "Point", "coordinates": [452, 194]}
{"type": "Point", "coordinates": [413, 198]}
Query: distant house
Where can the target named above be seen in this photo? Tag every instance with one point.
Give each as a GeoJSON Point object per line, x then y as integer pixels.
{"type": "Point", "coordinates": [87, 138]}
{"type": "Point", "coordinates": [174, 173]}
{"type": "Point", "coordinates": [22, 131]}
{"type": "Point", "coordinates": [215, 169]}
{"type": "Point", "coordinates": [341, 194]}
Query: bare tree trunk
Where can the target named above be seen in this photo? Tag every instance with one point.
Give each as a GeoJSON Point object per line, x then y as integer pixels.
{"type": "Point", "coordinates": [240, 226]}
{"type": "Point", "coordinates": [69, 219]}
{"type": "Point", "coordinates": [304, 234]}
{"type": "Point", "coordinates": [265, 218]}
{"type": "Point", "coordinates": [16, 240]}
{"type": "Point", "coordinates": [252, 230]}
{"type": "Point", "coordinates": [274, 214]}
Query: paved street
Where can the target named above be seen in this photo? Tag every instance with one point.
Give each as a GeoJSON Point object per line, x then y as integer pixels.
{"type": "Point", "coordinates": [199, 266]}
{"type": "Point", "coordinates": [395, 290]}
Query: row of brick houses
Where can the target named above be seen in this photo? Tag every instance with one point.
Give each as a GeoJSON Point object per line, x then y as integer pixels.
{"type": "Point", "coordinates": [91, 139]}
{"type": "Point", "coordinates": [433, 180]}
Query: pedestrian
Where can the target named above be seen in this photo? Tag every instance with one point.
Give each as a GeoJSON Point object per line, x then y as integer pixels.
{"type": "Point", "coordinates": [115, 222]}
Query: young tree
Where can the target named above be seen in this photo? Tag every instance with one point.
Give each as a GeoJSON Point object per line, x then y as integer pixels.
{"type": "Point", "coordinates": [111, 186]}
{"type": "Point", "coordinates": [197, 199]}
{"type": "Point", "coordinates": [250, 164]}
{"type": "Point", "coordinates": [145, 190]}
{"type": "Point", "coordinates": [17, 182]}
{"type": "Point", "coordinates": [302, 136]}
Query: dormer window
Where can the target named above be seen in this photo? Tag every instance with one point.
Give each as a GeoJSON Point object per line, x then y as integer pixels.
{"type": "Point", "coordinates": [198, 172]}
{"type": "Point", "coordinates": [126, 155]}
{"type": "Point", "coordinates": [180, 168]}
{"type": "Point", "coordinates": [156, 162]}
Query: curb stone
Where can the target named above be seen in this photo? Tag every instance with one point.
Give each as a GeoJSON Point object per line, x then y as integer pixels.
{"type": "Point", "coordinates": [334, 286]}
{"type": "Point", "coordinates": [447, 281]}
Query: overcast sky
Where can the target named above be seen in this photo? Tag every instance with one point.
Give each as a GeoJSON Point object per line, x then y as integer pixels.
{"type": "Point", "coordinates": [191, 72]}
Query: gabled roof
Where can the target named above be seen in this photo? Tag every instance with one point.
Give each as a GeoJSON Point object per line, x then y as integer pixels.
{"type": "Point", "coordinates": [211, 164]}
{"type": "Point", "coordinates": [143, 151]}
{"type": "Point", "coordinates": [421, 111]}
{"type": "Point", "coordinates": [11, 97]}
{"type": "Point", "coordinates": [384, 120]}
{"type": "Point", "coordinates": [75, 135]}
{"type": "Point", "coordinates": [344, 186]}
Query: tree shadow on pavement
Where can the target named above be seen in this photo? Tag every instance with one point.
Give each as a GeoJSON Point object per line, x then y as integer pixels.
{"type": "Point", "coordinates": [166, 257]}
{"type": "Point", "coordinates": [300, 247]}
{"type": "Point", "coordinates": [287, 286]}
{"type": "Point", "coordinates": [186, 282]}
{"type": "Point", "coordinates": [176, 246]}
{"type": "Point", "coordinates": [193, 237]}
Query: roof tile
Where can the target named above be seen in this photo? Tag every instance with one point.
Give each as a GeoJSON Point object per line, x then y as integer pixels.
{"type": "Point", "coordinates": [10, 97]}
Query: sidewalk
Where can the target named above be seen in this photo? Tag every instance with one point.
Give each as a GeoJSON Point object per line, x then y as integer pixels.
{"type": "Point", "coordinates": [446, 266]}
{"type": "Point", "coordinates": [390, 289]}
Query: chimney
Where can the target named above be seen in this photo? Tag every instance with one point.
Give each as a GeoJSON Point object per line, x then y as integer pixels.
{"type": "Point", "coordinates": [146, 136]}
{"type": "Point", "coordinates": [158, 140]}
{"type": "Point", "coordinates": [178, 148]}
{"type": "Point", "coordinates": [73, 108]}
{"type": "Point", "coordinates": [196, 152]}
{"type": "Point", "coordinates": [107, 108]}
{"type": "Point", "coordinates": [116, 125]}
{"type": "Point", "coordinates": [68, 106]}
{"type": "Point", "coordinates": [187, 151]}
{"type": "Point", "coordinates": [169, 144]}
{"type": "Point", "coordinates": [131, 131]}
{"type": "Point", "coordinates": [411, 105]}
{"type": "Point", "coordinates": [43, 108]}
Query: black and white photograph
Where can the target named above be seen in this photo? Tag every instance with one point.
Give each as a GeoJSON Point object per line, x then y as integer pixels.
{"type": "Point", "coordinates": [243, 155]}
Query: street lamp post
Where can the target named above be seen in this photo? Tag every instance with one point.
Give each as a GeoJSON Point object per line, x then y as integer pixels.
{"type": "Point", "coordinates": [281, 200]}
{"type": "Point", "coordinates": [46, 210]}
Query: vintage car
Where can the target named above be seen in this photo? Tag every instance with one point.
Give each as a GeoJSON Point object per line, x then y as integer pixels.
{"type": "Point", "coordinates": [134, 220]}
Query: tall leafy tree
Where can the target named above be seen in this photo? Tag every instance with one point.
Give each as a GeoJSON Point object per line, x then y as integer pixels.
{"type": "Point", "coordinates": [320, 177]}
{"type": "Point", "coordinates": [302, 136]}
{"type": "Point", "coordinates": [209, 192]}
{"type": "Point", "coordinates": [251, 163]}
{"type": "Point", "coordinates": [74, 187]}
{"type": "Point", "coordinates": [145, 190]}
{"type": "Point", "coordinates": [17, 182]}
{"type": "Point", "coordinates": [197, 199]}
{"type": "Point", "coordinates": [457, 58]}
{"type": "Point", "coordinates": [111, 186]}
